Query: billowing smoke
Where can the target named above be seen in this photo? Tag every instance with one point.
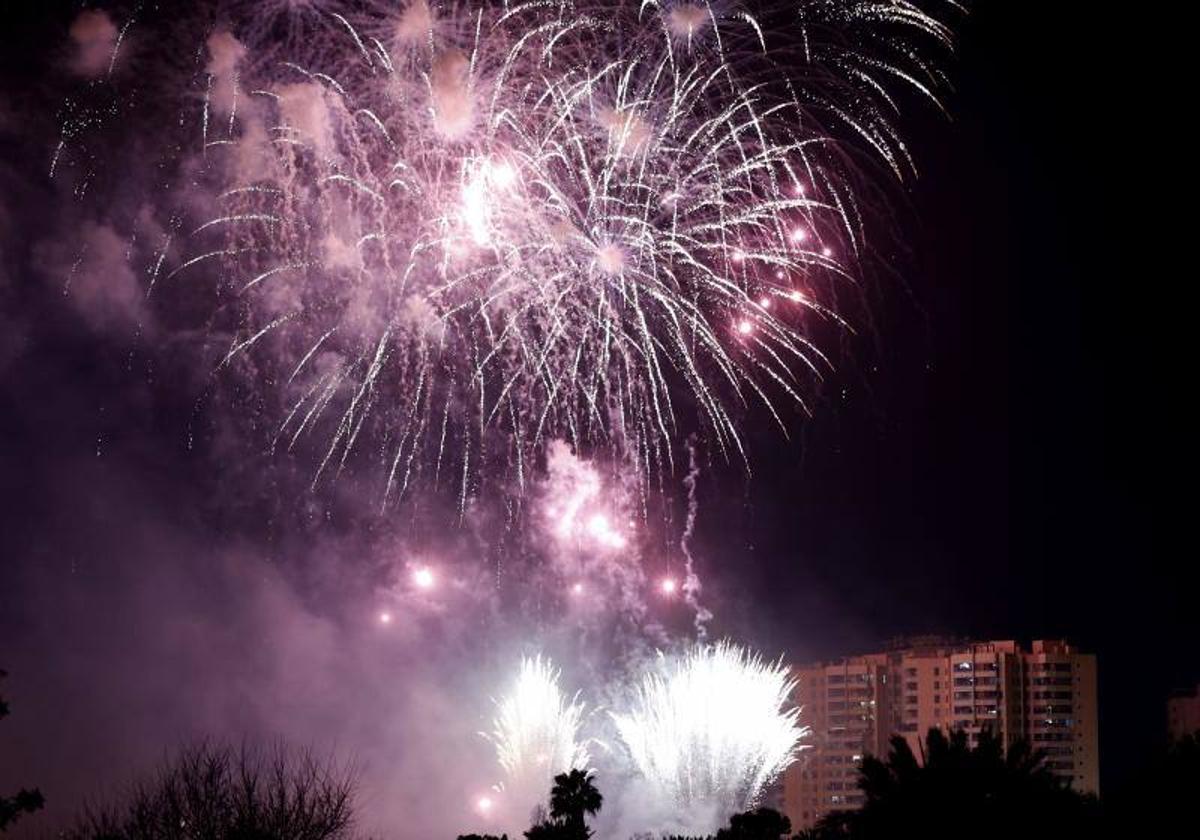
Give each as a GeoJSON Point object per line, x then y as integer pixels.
{"type": "Point", "coordinates": [94, 39]}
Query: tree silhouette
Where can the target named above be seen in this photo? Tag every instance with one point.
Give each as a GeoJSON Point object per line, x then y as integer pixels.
{"type": "Point", "coordinates": [573, 798]}
{"type": "Point", "coordinates": [550, 830]}
{"type": "Point", "coordinates": [959, 791]}
{"type": "Point", "coordinates": [222, 793]}
{"type": "Point", "coordinates": [24, 801]}
{"type": "Point", "coordinates": [1160, 796]}
{"type": "Point", "coordinates": [760, 824]}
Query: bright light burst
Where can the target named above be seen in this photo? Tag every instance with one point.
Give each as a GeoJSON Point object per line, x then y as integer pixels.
{"type": "Point", "coordinates": [536, 734]}
{"type": "Point", "coordinates": [580, 509]}
{"type": "Point", "coordinates": [462, 229]}
{"type": "Point", "coordinates": [423, 578]}
{"type": "Point", "coordinates": [713, 728]}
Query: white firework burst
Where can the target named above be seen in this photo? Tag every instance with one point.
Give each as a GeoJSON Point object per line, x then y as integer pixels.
{"type": "Point", "coordinates": [712, 728]}
{"type": "Point", "coordinates": [537, 736]}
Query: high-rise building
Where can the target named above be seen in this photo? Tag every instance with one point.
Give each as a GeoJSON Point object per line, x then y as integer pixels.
{"type": "Point", "coordinates": [1183, 713]}
{"type": "Point", "coordinates": [1045, 695]}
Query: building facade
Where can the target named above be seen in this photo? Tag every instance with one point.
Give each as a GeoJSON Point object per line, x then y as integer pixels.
{"type": "Point", "coordinates": [1045, 694]}
{"type": "Point", "coordinates": [1183, 713]}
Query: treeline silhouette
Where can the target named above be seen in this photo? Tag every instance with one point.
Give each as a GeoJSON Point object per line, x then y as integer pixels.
{"type": "Point", "coordinates": [226, 793]}
{"type": "Point", "coordinates": [24, 801]}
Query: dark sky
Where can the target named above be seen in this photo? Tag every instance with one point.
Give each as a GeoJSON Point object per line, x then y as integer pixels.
{"type": "Point", "coordinates": [990, 459]}
{"type": "Point", "coordinates": [995, 464]}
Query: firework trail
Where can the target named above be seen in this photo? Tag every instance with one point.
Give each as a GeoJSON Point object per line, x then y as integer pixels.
{"type": "Point", "coordinates": [712, 729]}
{"type": "Point", "coordinates": [691, 581]}
{"type": "Point", "coordinates": [461, 230]}
{"type": "Point", "coordinates": [536, 734]}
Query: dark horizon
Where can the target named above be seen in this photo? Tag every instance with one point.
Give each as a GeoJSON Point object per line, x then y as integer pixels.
{"type": "Point", "coordinates": [988, 461]}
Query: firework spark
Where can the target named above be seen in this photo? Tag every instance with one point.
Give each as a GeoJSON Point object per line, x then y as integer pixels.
{"type": "Point", "coordinates": [465, 229]}
{"type": "Point", "coordinates": [712, 729]}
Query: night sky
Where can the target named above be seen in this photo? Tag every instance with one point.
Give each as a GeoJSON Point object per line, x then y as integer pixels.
{"type": "Point", "coordinates": [988, 461]}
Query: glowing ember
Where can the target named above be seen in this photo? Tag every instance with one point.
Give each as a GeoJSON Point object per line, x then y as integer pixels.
{"type": "Point", "coordinates": [423, 577]}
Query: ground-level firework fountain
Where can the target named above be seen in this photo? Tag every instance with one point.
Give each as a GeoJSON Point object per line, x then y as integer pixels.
{"type": "Point", "coordinates": [537, 734]}
{"type": "Point", "coordinates": [708, 730]}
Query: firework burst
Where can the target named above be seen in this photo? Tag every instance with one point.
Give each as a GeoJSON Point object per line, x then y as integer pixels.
{"type": "Point", "coordinates": [460, 230]}
{"type": "Point", "coordinates": [536, 734]}
{"type": "Point", "coordinates": [712, 729]}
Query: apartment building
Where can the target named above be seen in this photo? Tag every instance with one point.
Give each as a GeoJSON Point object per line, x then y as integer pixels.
{"type": "Point", "coordinates": [1183, 713]}
{"type": "Point", "coordinates": [1045, 694]}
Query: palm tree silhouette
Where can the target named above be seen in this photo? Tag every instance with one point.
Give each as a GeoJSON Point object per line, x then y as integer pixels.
{"type": "Point", "coordinates": [998, 793]}
{"type": "Point", "coordinates": [573, 796]}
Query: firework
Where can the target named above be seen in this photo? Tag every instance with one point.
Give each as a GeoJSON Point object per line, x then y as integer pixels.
{"type": "Point", "coordinates": [464, 229]}
{"type": "Point", "coordinates": [536, 734]}
{"type": "Point", "coordinates": [712, 729]}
